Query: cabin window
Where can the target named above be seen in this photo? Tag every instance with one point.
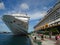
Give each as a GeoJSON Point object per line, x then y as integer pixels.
{"type": "Point", "coordinates": [14, 21]}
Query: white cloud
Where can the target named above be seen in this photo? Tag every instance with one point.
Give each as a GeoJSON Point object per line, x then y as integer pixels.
{"type": "Point", "coordinates": [24, 6]}
{"type": "Point", "coordinates": [12, 12]}
{"type": "Point", "coordinates": [37, 15]}
{"type": "Point", "coordinates": [2, 5]}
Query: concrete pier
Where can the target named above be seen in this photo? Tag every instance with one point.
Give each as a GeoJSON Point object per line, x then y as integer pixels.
{"type": "Point", "coordinates": [38, 41]}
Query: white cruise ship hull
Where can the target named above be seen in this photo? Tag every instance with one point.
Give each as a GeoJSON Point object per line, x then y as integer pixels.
{"type": "Point", "coordinates": [18, 27]}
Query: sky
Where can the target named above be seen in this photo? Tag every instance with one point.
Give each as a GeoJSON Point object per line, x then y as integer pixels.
{"type": "Point", "coordinates": [36, 9]}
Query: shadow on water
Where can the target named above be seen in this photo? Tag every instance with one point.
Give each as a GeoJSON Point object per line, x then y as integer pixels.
{"type": "Point", "coordinates": [14, 40]}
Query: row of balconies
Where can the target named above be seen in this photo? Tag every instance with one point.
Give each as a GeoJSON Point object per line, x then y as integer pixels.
{"type": "Point", "coordinates": [47, 26]}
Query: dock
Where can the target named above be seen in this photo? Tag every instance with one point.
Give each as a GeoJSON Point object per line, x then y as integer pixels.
{"type": "Point", "coordinates": [38, 41]}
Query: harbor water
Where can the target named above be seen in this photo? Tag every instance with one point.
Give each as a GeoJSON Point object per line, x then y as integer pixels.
{"type": "Point", "coordinates": [14, 40]}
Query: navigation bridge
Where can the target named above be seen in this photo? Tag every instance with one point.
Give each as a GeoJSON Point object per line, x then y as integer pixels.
{"type": "Point", "coordinates": [51, 20]}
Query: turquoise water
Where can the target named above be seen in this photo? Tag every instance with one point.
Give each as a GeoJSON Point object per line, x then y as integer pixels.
{"type": "Point", "coordinates": [14, 40]}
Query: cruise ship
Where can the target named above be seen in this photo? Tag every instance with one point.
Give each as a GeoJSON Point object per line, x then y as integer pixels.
{"type": "Point", "coordinates": [17, 23]}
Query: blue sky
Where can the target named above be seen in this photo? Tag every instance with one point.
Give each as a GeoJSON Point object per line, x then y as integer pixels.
{"type": "Point", "coordinates": [36, 9]}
